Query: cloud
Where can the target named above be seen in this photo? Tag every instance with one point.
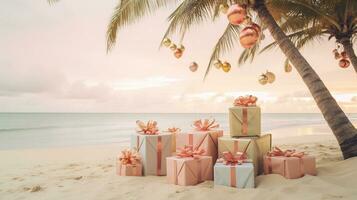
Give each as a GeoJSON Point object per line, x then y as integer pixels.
{"type": "Point", "coordinates": [16, 81]}
{"type": "Point", "coordinates": [150, 82]}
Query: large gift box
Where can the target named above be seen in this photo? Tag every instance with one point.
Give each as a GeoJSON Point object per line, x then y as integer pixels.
{"type": "Point", "coordinates": [153, 148]}
{"type": "Point", "coordinates": [189, 170]}
{"type": "Point", "coordinates": [257, 147]}
{"type": "Point", "coordinates": [289, 164]}
{"type": "Point", "coordinates": [204, 136]}
{"type": "Point", "coordinates": [239, 176]}
{"type": "Point", "coordinates": [244, 121]}
{"type": "Point", "coordinates": [129, 164]}
{"type": "Point", "coordinates": [245, 117]}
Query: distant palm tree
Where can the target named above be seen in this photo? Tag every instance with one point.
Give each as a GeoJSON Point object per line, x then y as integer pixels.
{"type": "Point", "coordinates": [191, 12]}
{"type": "Point", "coordinates": [307, 21]}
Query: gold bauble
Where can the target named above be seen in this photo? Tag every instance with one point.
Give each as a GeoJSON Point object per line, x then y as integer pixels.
{"type": "Point", "coordinates": [193, 66]}
{"type": "Point", "coordinates": [166, 42]}
{"type": "Point", "coordinates": [224, 8]}
{"type": "Point", "coordinates": [271, 76]}
{"type": "Point", "coordinates": [173, 47]}
{"type": "Point", "coordinates": [226, 67]}
{"type": "Point", "coordinates": [218, 64]}
{"type": "Point", "coordinates": [263, 79]}
{"type": "Point", "coordinates": [288, 68]}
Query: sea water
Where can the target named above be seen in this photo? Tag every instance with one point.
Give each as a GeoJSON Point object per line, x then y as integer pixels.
{"type": "Point", "coordinates": [43, 130]}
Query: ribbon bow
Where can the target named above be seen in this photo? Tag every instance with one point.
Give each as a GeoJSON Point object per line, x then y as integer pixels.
{"type": "Point", "coordinates": [229, 159]}
{"type": "Point", "coordinates": [129, 157]}
{"type": "Point", "coordinates": [150, 128]}
{"type": "Point", "coordinates": [248, 100]}
{"type": "Point", "coordinates": [188, 151]}
{"type": "Point", "coordinates": [205, 125]}
{"type": "Point", "coordinates": [287, 153]}
{"type": "Point", "coordinates": [173, 130]}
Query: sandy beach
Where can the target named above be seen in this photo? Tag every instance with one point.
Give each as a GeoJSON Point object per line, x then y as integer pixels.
{"type": "Point", "coordinates": [88, 172]}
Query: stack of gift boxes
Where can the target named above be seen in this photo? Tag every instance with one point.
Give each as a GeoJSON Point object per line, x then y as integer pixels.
{"type": "Point", "coordinates": [204, 153]}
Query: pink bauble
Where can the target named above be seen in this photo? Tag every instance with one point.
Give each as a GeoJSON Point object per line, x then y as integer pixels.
{"type": "Point", "coordinates": [248, 37]}
{"type": "Point", "coordinates": [236, 14]}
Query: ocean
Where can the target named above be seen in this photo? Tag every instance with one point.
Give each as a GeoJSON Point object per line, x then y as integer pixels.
{"type": "Point", "coordinates": [44, 130]}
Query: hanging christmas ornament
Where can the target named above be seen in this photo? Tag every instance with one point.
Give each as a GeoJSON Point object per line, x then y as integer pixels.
{"type": "Point", "coordinates": [226, 67]}
{"type": "Point", "coordinates": [166, 42]}
{"type": "Point", "coordinates": [344, 54]}
{"type": "Point", "coordinates": [181, 47]}
{"type": "Point", "coordinates": [173, 47]}
{"type": "Point", "coordinates": [193, 66]}
{"type": "Point", "coordinates": [257, 28]}
{"type": "Point", "coordinates": [263, 79]}
{"type": "Point", "coordinates": [236, 14]}
{"type": "Point", "coordinates": [249, 36]}
{"type": "Point", "coordinates": [288, 68]}
{"type": "Point", "coordinates": [178, 53]}
{"type": "Point", "coordinates": [336, 54]}
{"type": "Point", "coordinates": [344, 63]}
{"type": "Point", "coordinates": [224, 8]}
{"type": "Point", "coordinates": [271, 76]}
{"type": "Point", "coordinates": [218, 64]}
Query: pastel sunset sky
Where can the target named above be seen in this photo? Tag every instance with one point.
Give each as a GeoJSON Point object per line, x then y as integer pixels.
{"type": "Point", "coordinates": [53, 59]}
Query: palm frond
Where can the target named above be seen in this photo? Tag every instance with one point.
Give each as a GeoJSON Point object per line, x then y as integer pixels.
{"type": "Point", "coordinates": [189, 12]}
{"type": "Point", "coordinates": [225, 43]}
{"type": "Point", "coordinates": [128, 12]}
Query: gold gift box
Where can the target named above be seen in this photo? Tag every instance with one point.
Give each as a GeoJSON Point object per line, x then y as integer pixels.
{"type": "Point", "coordinates": [257, 147]}
{"type": "Point", "coordinates": [244, 121]}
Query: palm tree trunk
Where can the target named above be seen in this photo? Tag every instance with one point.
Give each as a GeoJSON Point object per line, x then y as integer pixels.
{"type": "Point", "coordinates": [344, 131]}
{"type": "Point", "coordinates": [347, 45]}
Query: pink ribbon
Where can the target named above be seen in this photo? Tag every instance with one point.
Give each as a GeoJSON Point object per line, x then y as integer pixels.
{"type": "Point", "coordinates": [248, 100]}
{"type": "Point", "coordinates": [188, 152]}
{"type": "Point", "coordinates": [150, 128]}
{"type": "Point", "coordinates": [287, 153]}
{"type": "Point", "coordinates": [129, 157]}
{"type": "Point", "coordinates": [205, 125]}
{"type": "Point", "coordinates": [230, 159]}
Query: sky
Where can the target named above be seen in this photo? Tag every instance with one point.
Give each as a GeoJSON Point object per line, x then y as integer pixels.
{"type": "Point", "coordinates": [53, 59]}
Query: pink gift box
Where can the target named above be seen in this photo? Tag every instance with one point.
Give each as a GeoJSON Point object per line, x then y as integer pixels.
{"type": "Point", "coordinates": [189, 171]}
{"type": "Point", "coordinates": [206, 140]}
{"type": "Point", "coordinates": [290, 167]}
{"type": "Point", "coordinates": [129, 170]}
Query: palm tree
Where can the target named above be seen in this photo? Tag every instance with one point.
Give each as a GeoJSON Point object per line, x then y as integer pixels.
{"type": "Point", "coordinates": [190, 12]}
{"type": "Point", "coordinates": [308, 21]}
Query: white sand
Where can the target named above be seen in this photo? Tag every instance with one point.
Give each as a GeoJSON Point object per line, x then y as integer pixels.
{"type": "Point", "coordinates": [89, 173]}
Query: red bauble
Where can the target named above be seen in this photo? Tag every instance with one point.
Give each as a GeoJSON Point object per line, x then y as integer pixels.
{"type": "Point", "coordinates": [249, 36]}
{"type": "Point", "coordinates": [344, 63]}
{"type": "Point", "coordinates": [178, 53]}
{"type": "Point", "coordinates": [236, 14]}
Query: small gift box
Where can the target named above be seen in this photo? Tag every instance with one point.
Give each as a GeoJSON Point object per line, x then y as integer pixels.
{"type": "Point", "coordinates": [234, 171]}
{"type": "Point", "coordinates": [289, 163]}
{"type": "Point", "coordinates": [245, 117]}
{"type": "Point", "coordinates": [173, 131]}
{"type": "Point", "coordinates": [204, 136]}
{"type": "Point", "coordinates": [129, 164]}
{"type": "Point", "coordinates": [189, 167]}
{"type": "Point", "coordinates": [153, 148]}
{"type": "Point", "coordinates": [257, 147]}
